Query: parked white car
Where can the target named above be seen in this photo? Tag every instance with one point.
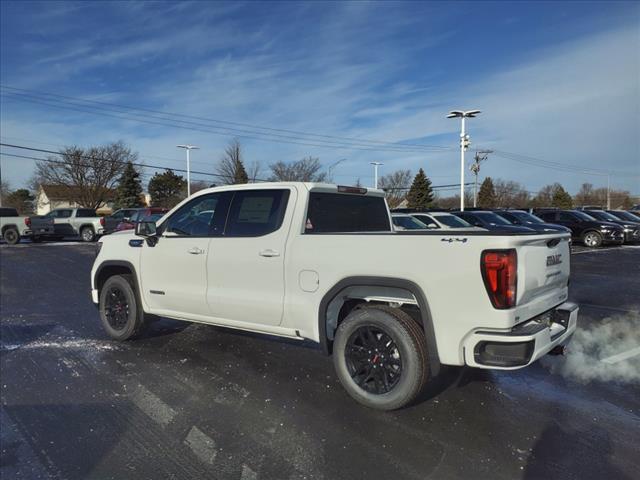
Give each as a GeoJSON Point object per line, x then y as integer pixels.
{"type": "Point", "coordinates": [322, 262]}
{"type": "Point", "coordinates": [402, 221]}
{"type": "Point", "coordinates": [445, 221]}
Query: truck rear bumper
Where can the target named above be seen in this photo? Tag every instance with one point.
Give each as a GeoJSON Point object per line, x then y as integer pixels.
{"type": "Point", "coordinates": [525, 343]}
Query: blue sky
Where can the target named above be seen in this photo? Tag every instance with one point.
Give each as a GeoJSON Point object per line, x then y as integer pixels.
{"type": "Point", "coordinates": [557, 81]}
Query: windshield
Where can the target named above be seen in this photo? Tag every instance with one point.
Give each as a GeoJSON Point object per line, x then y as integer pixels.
{"type": "Point", "coordinates": [526, 217]}
{"type": "Point", "coordinates": [626, 216]}
{"type": "Point", "coordinates": [491, 218]}
{"type": "Point", "coordinates": [452, 221]}
{"type": "Point", "coordinates": [607, 217]}
{"type": "Point", "coordinates": [583, 216]}
{"type": "Point", "coordinates": [409, 223]}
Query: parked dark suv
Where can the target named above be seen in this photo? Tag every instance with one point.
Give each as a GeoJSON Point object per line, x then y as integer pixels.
{"type": "Point", "coordinates": [585, 228]}
{"type": "Point", "coordinates": [490, 221]}
{"type": "Point", "coordinates": [631, 229]}
{"type": "Point", "coordinates": [526, 219]}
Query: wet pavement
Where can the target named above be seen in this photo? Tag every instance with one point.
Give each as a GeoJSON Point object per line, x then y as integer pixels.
{"type": "Point", "coordinates": [195, 401]}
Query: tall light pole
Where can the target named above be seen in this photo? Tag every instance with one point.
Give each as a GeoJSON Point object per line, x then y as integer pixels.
{"type": "Point", "coordinates": [464, 144]}
{"type": "Point", "coordinates": [608, 191]}
{"type": "Point", "coordinates": [188, 148]}
{"type": "Point", "coordinates": [332, 166]}
{"type": "Point", "coordinates": [480, 156]}
{"type": "Point", "coordinates": [375, 173]}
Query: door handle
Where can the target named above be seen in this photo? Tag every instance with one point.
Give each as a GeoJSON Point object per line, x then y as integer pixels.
{"type": "Point", "coordinates": [269, 253]}
{"type": "Point", "coordinates": [195, 251]}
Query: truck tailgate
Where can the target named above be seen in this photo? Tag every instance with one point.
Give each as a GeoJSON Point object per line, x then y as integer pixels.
{"type": "Point", "coordinates": [543, 266]}
{"type": "Point", "coordinates": [42, 225]}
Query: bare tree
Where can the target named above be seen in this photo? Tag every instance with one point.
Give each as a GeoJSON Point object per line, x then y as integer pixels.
{"type": "Point", "coordinates": [254, 172]}
{"type": "Point", "coordinates": [88, 175]}
{"type": "Point", "coordinates": [307, 169]}
{"type": "Point", "coordinates": [396, 186]}
{"type": "Point", "coordinates": [510, 194]}
{"type": "Point", "coordinates": [231, 168]}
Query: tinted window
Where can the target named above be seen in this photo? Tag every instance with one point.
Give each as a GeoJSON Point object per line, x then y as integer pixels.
{"type": "Point", "coordinates": [607, 217]}
{"type": "Point", "coordinates": [85, 212]}
{"type": "Point", "coordinates": [452, 221]}
{"type": "Point", "coordinates": [427, 220]}
{"type": "Point", "coordinates": [117, 215]}
{"type": "Point", "coordinates": [408, 223]}
{"type": "Point", "coordinates": [8, 212]}
{"type": "Point", "coordinates": [524, 217]}
{"type": "Point", "coordinates": [189, 221]}
{"type": "Point", "coordinates": [566, 217]}
{"type": "Point", "coordinates": [61, 213]}
{"type": "Point", "coordinates": [256, 212]}
{"type": "Point", "coordinates": [548, 216]}
{"type": "Point", "coordinates": [492, 219]}
{"type": "Point", "coordinates": [338, 212]}
{"type": "Point", "coordinates": [583, 216]}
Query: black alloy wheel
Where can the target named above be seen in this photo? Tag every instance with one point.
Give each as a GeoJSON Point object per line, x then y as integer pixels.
{"type": "Point", "coordinates": [116, 308]}
{"type": "Point", "coordinates": [373, 360]}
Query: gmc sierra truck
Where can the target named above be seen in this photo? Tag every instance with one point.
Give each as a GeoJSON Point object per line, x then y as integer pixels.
{"type": "Point", "coordinates": [14, 226]}
{"type": "Point", "coordinates": [322, 262]}
{"type": "Point", "coordinates": [73, 222]}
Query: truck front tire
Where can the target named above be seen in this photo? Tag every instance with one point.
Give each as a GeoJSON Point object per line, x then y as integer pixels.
{"type": "Point", "coordinates": [11, 236]}
{"type": "Point", "coordinates": [120, 311]}
{"type": "Point", "coordinates": [87, 234]}
{"type": "Point", "coordinates": [380, 356]}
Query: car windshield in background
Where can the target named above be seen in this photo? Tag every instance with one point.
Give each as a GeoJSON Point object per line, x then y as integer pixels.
{"type": "Point", "coordinates": [492, 218]}
{"type": "Point", "coordinates": [342, 212]}
{"type": "Point", "coordinates": [526, 217]}
{"type": "Point", "coordinates": [409, 223]}
{"type": "Point", "coordinates": [154, 217]}
{"type": "Point", "coordinates": [627, 216]}
{"type": "Point", "coordinates": [583, 216]}
{"type": "Point", "coordinates": [607, 217]}
{"type": "Point", "coordinates": [452, 221]}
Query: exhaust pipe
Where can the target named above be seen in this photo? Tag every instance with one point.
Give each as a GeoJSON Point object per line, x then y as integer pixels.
{"type": "Point", "coordinates": [558, 350]}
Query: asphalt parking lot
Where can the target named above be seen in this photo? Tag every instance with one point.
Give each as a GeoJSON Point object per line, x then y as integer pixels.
{"type": "Point", "coordinates": [194, 401]}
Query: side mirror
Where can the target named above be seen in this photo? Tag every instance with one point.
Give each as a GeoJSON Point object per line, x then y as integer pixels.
{"type": "Point", "coordinates": [146, 229]}
{"type": "Point", "coordinates": [126, 219]}
{"type": "Point", "coordinates": [432, 226]}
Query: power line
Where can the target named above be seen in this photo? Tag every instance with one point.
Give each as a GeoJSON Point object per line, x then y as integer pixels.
{"type": "Point", "coordinates": [227, 122]}
{"type": "Point", "coordinates": [216, 130]}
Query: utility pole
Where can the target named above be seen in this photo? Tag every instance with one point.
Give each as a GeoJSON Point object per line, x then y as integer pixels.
{"type": "Point", "coordinates": [608, 191]}
{"type": "Point", "coordinates": [188, 148]}
{"type": "Point", "coordinates": [464, 144]}
{"type": "Point", "coordinates": [480, 156]}
{"type": "Point", "coordinates": [375, 173]}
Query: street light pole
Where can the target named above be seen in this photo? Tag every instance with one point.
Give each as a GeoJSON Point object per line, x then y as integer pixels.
{"type": "Point", "coordinates": [464, 144]}
{"type": "Point", "coordinates": [375, 173]}
{"type": "Point", "coordinates": [608, 191]}
{"type": "Point", "coordinates": [188, 148]}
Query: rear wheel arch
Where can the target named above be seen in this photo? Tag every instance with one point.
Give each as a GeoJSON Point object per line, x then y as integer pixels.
{"type": "Point", "coordinates": [348, 293]}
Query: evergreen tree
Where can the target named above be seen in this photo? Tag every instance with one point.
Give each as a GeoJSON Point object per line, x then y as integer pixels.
{"type": "Point", "coordinates": [420, 194]}
{"type": "Point", "coordinates": [561, 198]}
{"type": "Point", "coordinates": [167, 189]}
{"type": "Point", "coordinates": [487, 194]}
{"type": "Point", "coordinates": [129, 190]}
{"type": "Point", "coordinates": [240, 175]}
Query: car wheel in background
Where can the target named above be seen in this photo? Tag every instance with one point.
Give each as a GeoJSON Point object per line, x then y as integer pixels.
{"type": "Point", "coordinates": [380, 357]}
{"type": "Point", "coordinates": [87, 234]}
{"type": "Point", "coordinates": [120, 311]}
{"type": "Point", "coordinates": [592, 239]}
{"type": "Point", "coordinates": [11, 236]}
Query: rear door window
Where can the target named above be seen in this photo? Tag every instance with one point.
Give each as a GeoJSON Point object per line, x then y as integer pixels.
{"type": "Point", "coordinates": [85, 213]}
{"type": "Point", "coordinates": [341, 212]}
{"type": "Point", "coordinates": [254, 213]}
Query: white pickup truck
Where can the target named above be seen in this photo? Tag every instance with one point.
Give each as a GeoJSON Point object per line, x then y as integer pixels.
{"type": "Point", "coordinates": [322, 262]}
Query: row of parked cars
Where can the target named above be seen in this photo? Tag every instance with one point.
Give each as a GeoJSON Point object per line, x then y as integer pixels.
{"type": "Point", "coordinates": [590, 226]}
{"type": "Point", "coordinates": [71, 222]}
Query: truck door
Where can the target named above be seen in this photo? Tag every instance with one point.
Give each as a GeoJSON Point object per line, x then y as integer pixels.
{"type": "Point", "coordinates": [62, 218]}
{"type": "Point", "coordinates": [174, 271]}
{"type": "Point", "coordinates": [246, 265]}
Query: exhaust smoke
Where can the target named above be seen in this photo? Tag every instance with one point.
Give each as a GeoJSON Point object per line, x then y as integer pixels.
{"type": "Point", "coordinates": [606, 351]}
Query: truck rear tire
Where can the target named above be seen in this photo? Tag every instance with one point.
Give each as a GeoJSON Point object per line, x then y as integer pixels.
{"type": "Point", "coordinates": [380, 356]}
{"type": "Point", "coordinates": [11, 236]}
{"type": "Point", "coordinates": [87, 234]}
{"type": "Point", "coordinates": [120, 310]}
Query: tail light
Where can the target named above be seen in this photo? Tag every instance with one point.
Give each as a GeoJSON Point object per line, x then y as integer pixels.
{"type": "Point", "coordinates": [102, 221]}
{"type": "Point", "coordinates": [500, 275]}
{"type": "Point", "coordinates": [27, 221]}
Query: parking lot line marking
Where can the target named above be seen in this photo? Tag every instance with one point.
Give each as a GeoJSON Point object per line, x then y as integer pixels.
{"type": "Point", "coordinates": [202, 445]}
{"type": "Point", "coordinates": [622, 356]}
{"type": "Point", "coordinates": [155, 408]}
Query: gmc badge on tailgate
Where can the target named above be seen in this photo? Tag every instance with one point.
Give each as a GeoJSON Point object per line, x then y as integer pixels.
{"type": "Point", "coordinates": [554, 260]}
